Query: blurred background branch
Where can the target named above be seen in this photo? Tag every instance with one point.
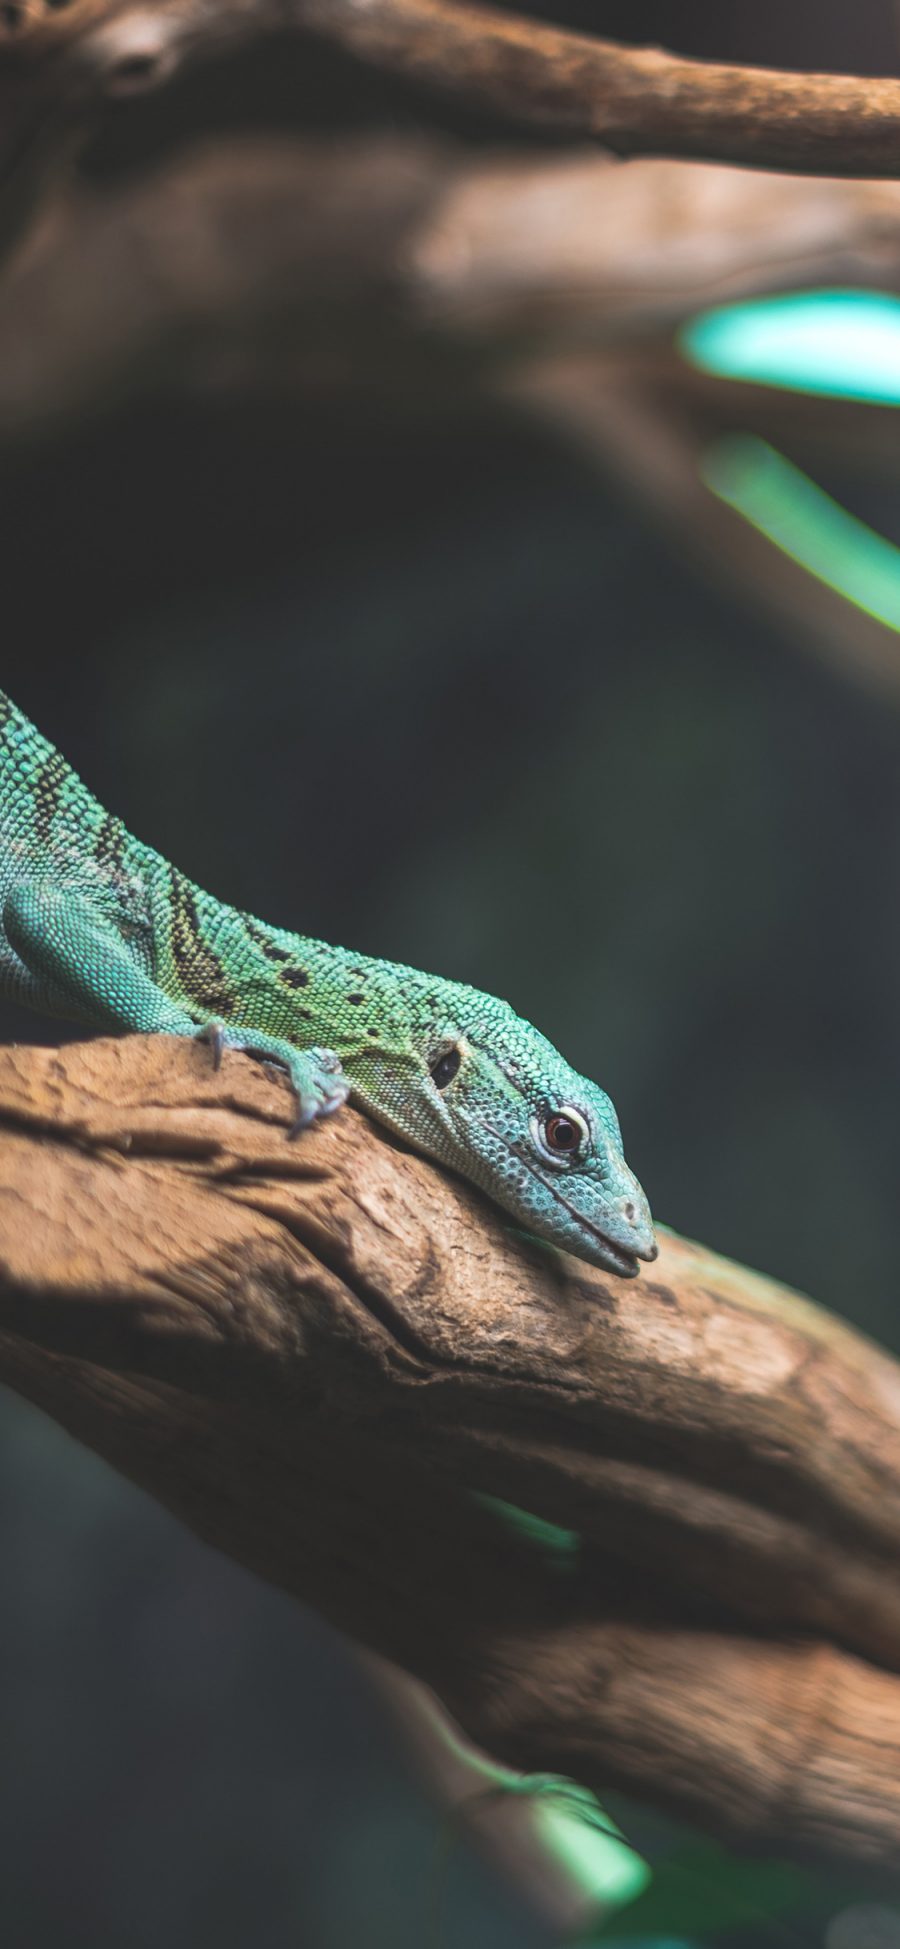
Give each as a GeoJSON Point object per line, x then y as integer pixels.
{"type": "Point", "coordinates": [407, 271]}
{"type": "Point", "coordinates": [390, 264]}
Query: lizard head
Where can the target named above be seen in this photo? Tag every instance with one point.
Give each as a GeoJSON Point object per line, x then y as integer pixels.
{"type": "Point", "coordinates": [487, 1094]}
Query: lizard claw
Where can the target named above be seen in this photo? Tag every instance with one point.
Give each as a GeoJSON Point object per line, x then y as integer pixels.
{"type": "Point", "coordinates": [214, 1034]}
{"type": "Point", "coordinates": [315, 1075]}
{"type": "Point", "coordinates": [321, 1089]}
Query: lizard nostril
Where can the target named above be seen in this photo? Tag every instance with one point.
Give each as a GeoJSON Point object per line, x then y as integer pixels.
{"type": "Point", "coordinates": [630, 1213]}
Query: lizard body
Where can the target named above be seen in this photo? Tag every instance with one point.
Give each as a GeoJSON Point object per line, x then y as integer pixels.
{"type": "Point", "coordinates": [96, 926]}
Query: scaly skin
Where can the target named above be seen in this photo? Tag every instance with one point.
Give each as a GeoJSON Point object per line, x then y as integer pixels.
{"type": "Point", "coordinates": [100, 928]}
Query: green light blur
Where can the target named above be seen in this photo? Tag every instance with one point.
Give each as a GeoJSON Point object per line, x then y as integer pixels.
{"type": "Point", "coordinates": [841, 344]}
{"type": "Point", "coordinates": [577, 1832]}
{"type": "Point", "coordinates": [790, 510]}
{"type": "Point", "coordinates": [562, 1545]}
{"type": "Point", "coordinates": [567, 1819]}
{"type": "Point", "coordinates": [604, 1869]}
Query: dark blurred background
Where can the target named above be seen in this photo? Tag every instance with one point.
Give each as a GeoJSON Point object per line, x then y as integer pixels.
{"type": "Point", "coordinates": [436, 690]}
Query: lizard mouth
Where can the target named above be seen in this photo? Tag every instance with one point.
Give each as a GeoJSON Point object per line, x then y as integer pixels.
{"type": "Point", "coordinates": [615, 1258]}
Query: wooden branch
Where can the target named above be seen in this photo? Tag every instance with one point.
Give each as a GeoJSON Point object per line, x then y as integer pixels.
{"type": "Point", "coordinates": [62, 62]}
{"type": "Point", "coordinates": [635, 101]}
{"type": "Point", "coordinates": [315, 1351]}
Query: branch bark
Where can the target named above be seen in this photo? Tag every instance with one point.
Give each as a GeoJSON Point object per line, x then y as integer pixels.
{"type": "Point", "coordinates": [635, 101]}
{"type": "Point", "coordinates": [522, 73]}
{"type": "Point", "coordinates": [266, 1334]}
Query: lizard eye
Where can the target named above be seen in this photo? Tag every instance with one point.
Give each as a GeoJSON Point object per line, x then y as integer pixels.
{"type": "Point", "coordinates": [564, 1132]}
{"type": "Point", "coordinates": [445, 1067]}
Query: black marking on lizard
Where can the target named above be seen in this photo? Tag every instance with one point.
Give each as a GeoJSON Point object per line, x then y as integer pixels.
{"type": "Point", "coordinates": [199, 969]}
{"type": "Point", "coordinates": [109, 844]}
{"type": "Point", "coordinates": [288, 972]}
{"type": "Point", "coordinates": [264, 942]}
{"type": "Point", "coordinates": [48, 789]}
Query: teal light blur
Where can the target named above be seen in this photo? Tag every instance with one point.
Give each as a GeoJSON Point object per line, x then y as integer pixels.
{"type": "Point", "coordinates": [806, 524]}
{"type": "Point", "coordinates": [841, 344]}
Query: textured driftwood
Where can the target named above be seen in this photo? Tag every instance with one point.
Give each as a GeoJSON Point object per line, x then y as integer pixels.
{"type": "Point", "coordinates": [314, 1351]}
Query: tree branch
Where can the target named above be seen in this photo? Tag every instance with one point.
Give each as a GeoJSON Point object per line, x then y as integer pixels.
{"type": "Point", "coordinates": [635, 101]}
{"type": "Point", "coordinates": [519, 72]}
{"type": "Point", "coordinates": [265, 1334]}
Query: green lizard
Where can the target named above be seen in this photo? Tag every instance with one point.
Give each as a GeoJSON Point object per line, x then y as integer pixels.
{"type": "Point", "coordinates": [101, 928]}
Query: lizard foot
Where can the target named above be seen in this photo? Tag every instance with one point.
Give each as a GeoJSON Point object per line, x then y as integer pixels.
{"type": "Point", "coordinates": [315, 1075]}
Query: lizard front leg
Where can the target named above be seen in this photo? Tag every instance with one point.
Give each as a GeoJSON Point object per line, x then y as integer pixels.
{"type": "Point", "coordinates": [80, 965]}
{"type": "Point", "coordinates": [315, 1075]}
